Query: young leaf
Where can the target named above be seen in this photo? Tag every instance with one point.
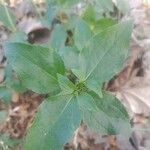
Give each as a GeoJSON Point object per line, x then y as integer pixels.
{"type": "Point", "coordinates": [7, 18]}
{"type": "Point", "coordinates": [35, 66]}
{"type": "Point", "coordinates": [65, 84]}
{"type": "Point", "coordinates": [57, 118]}
{"type": "Point", "coordinates": [104, 55]}
{"type": "Point", "coordinates": [104, 115]}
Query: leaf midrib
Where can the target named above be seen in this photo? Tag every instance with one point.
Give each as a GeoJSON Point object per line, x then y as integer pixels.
{"type": "Point", "coordinates": [39, 67]}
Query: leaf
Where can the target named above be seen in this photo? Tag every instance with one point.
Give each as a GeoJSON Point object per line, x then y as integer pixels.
{"type": "Point", "coordinates": [7, 18]}
{"type": "Point", "coordinates": [35, 66]}
{"type": "Point", "coordinates": [50, 14]}
{"type": "Point", "coordinates": [18, 37]}
{"type": "Point", "coordinates": [82, 34]}
{"type": "Point", "coordinates": [55, 122]}
{"type": "Point", "coordinates": [89, 15]}
{"type": "Point", "coordinates": [103, 5]}
{"type": "Point", "coordinates": [65, 84]}
{"type": "Point", "coordinates": [58, 37]}
{"type": "Point", "coordinates": [104, 115]}
{"type": "Point", "coordinates": [60, 115]}
{"type": "Point", "coordinates": [11, 82]}
{"type": "Point", "coordinates": [103, 24]}
{"type": "Point", "coordinates": [70, 56]}
{"type": "Point", "coordinates": [78, 74]}
{"type": "Point", "coordinates": [103, 56]}
{"type": "Point", "coordinates": [58, 63]}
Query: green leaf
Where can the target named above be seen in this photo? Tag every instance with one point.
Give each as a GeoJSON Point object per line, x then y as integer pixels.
{"type": "Point", "coordinates": [79, 74]}
{"type": "Point", "coordinates": [7, 18]}
{"type": "Point", "coordinates": [103, 24]}
{"type": "Point", "coordinates": [104, 55]}
{"type": "Point", "coordinates": [11, 82]}
{"type": "Point", "coordinates": [65, 84]}
{"type": "Point", "coordinates": [82, 34]}
{"type": "Point", "coordinates": [36, 66]}
{"type": "Point", "coordinates": [18, 37]}
{"type": "Point", "coordinates": [95, 86]}
{"type": "Point", "coordinates": [58, 37]}
{"type": "Point", "coordinates": [70, 56]}
{"type": "Point", "coordinates": [58, 63]}
{"type": "Point", "coordinates": [57, 118]}
{"type": "Point", "coordinates": [103, 5]}
{"type": "Point", "coordinates": [89, 15]}
{"type": "Point", "coordinates": [60, 115]}
{"type": "Point", "coordinates": [104, 115]}
{"type": "Point", "coordinates": [50, 14]}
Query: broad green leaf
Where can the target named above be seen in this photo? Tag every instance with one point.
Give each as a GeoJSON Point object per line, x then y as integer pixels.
{"type": "Point", "coordinates": [7, 18]}
{"type": "Point", "coordinates": [58, 37]}
{"type": "Point", "coordinates": [104, 55]}
{"type": "Point", "coordinates": [82, 34]}
{"type": "Point", "coordinates": [70, 56]}
{"type": "Point", "coordinates": [58, 64]}
{"type": "Point", "coordinates": [95, 85]}
{"type": "Point", "coordinates": [36, 66]}
{"type": "Point", "coordinates": [57, 119]}
{"type": "Point", "coordinates": [65, 84]}
{"type": "Point", "coordinates": [104, 115]}
{"type": "Point", "coordinates": [59, 116]}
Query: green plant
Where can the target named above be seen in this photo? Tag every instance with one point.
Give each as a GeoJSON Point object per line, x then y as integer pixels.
{"type": "Point", "coordinates": [82, 54]}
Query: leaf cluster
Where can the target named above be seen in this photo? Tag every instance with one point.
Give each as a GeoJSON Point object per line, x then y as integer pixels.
{"type": "Point", "coordinates": [82, 54]}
